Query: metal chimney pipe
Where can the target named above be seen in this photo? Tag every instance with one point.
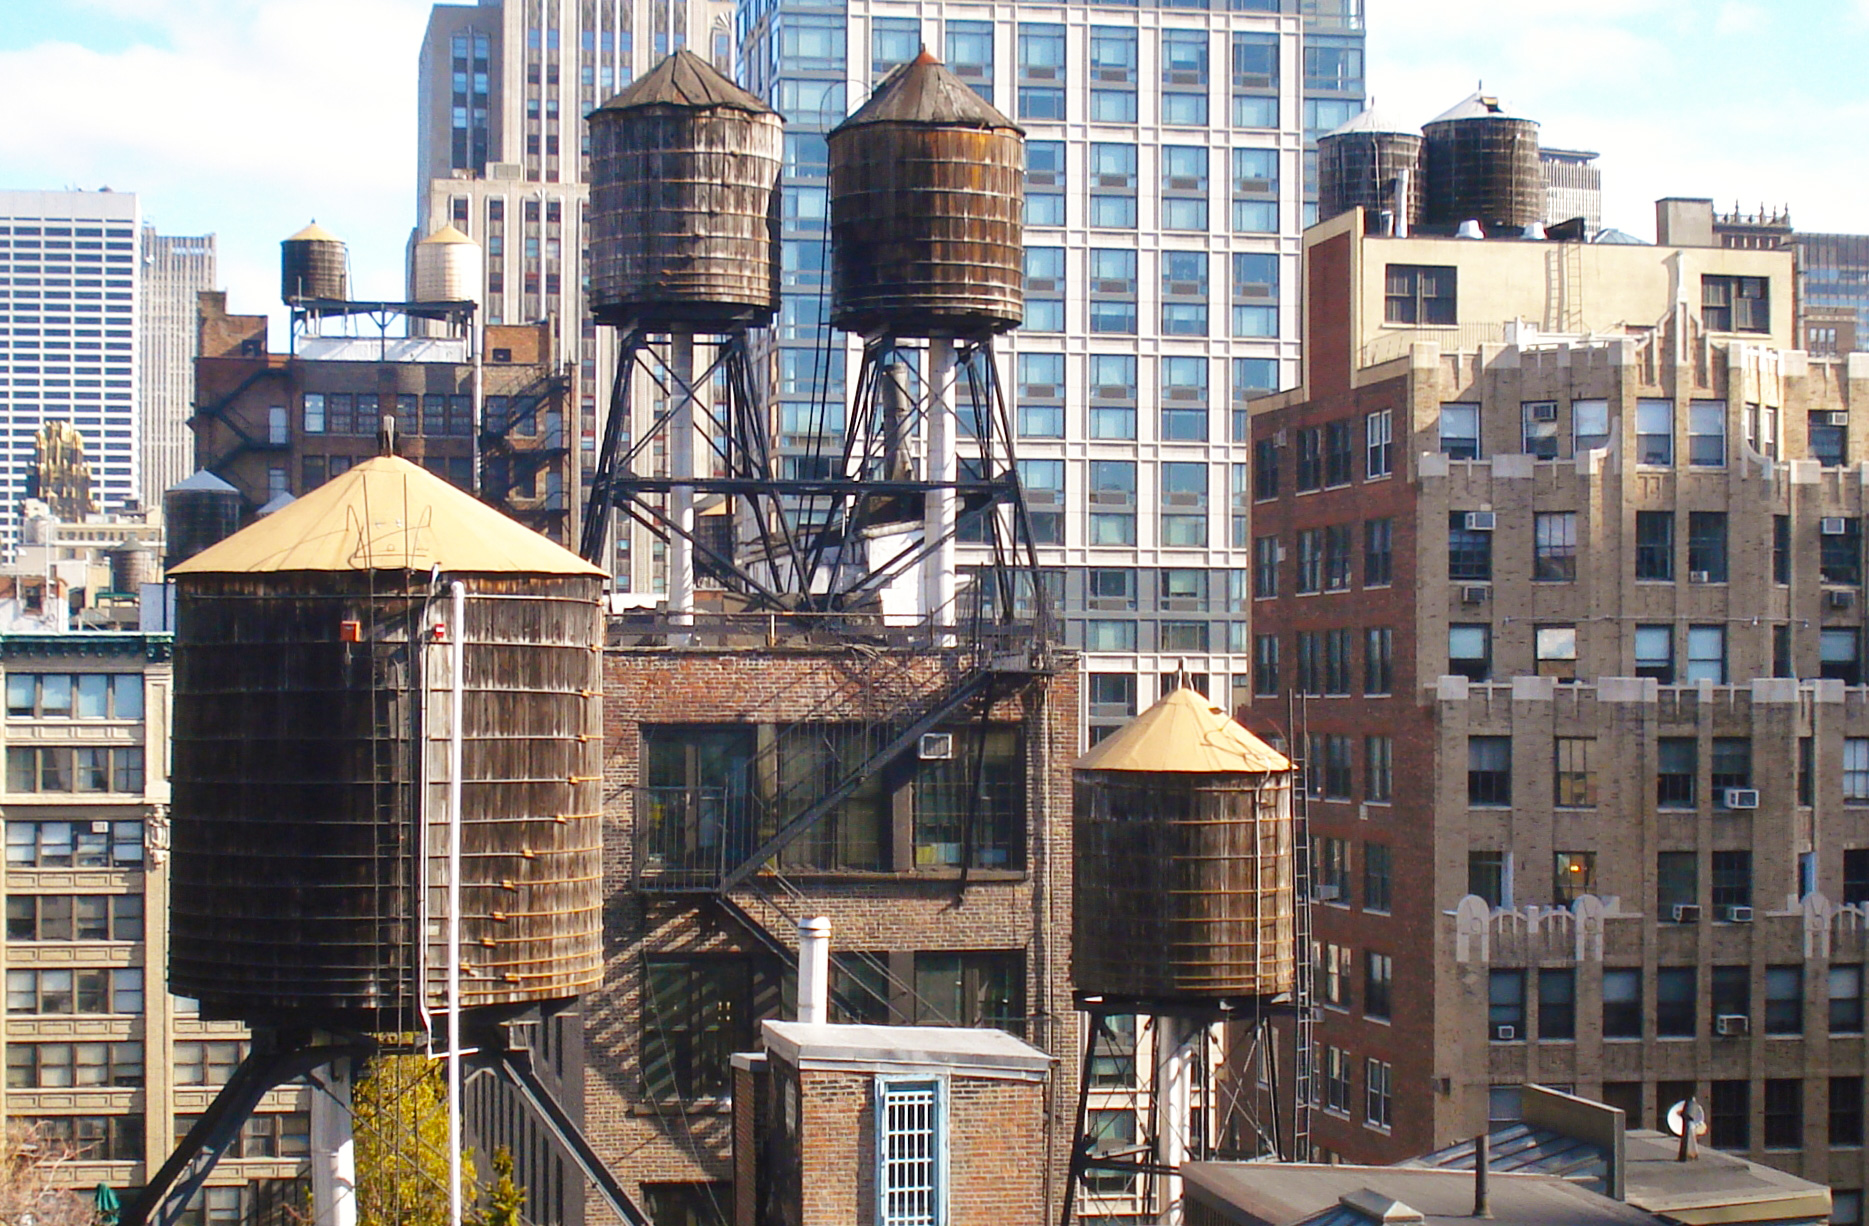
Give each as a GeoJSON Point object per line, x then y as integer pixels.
{"type": "Point", "coordinates": [1403, 179]}
{"type": "Point", "coordinates": [814, 970]}
{"type": "Point", "coordinates": [1482, 1160]}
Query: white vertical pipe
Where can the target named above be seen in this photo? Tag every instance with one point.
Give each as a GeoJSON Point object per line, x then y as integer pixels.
{"type": "Point", "coordinates": [334, 1165]}
{"type": "Point", "coordinates": [814, 970]}
{"type": "Point", "coordinates": [681, 460]}
{"type": "Point", "coordinates": [1174, 1069]}
{"type": "Point", "coordinates": [457, 595]}
{"type": "Point", "coordinates": [938, 581]}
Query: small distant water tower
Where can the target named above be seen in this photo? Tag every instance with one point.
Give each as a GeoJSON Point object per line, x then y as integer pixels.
{"type": "Point", "coordinates": [1482, 165]}
{"type": "Point", "coordinates": [1186, 910]}
{"type": "Point", "coordinates": [386, 766]}
{"type": "Point", "coordinates": [1372, 164]}
{"type": "Point", "coordinates": [199, 511]}
{"type": "Point", "coordinates": [447, 267]}
{"type": "Point", "coordinates": [313, 264]}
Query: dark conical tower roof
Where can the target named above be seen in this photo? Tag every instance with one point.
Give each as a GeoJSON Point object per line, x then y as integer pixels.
{"type": "Point", "coordinates": [687, 81]}
{"type": "Point", "coordinates": [923, 91]}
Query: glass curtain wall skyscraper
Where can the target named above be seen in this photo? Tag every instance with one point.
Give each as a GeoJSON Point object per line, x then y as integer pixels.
{"type": "Point", "coordinates": [1170, 173]}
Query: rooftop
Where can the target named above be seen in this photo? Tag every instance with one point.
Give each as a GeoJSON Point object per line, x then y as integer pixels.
{"type": "Point", "coordinates": [885, 1049]}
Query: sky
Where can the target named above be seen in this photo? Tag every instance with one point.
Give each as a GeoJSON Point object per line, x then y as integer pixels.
{"type": "Point", "coordinates": [248, 118]}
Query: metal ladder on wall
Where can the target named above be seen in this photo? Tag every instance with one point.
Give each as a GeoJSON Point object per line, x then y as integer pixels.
{"type": "Point", "coordinates": [1304, 1024]}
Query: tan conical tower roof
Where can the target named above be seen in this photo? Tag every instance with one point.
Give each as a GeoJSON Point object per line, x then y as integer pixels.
{"type": "Point", "coordinates": [447, 234]}
{"type": "Point", "coordinates": [1183, 732]}
{"type": "Point", "coordinates": [314, 233]}
{"type": "Point", "coordinates": [387, 514]}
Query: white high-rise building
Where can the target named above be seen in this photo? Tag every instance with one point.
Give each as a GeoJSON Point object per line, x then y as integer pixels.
{"type": "Point", "coordinates": [70, 286]}
{"type": "Point", "coordinates": [1170, 174]}
{"type": "Point", "coordinates": [175, 271]}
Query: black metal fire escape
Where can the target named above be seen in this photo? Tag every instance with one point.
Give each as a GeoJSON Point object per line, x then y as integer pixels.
{"type": "Point", "coordinates": [519, 443]}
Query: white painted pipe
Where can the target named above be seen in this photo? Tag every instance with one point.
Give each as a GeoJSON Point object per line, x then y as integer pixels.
{"type": "Point", "coordinates": [334, 1160]}
{"type": "Point", "coordinates": [457, 595]}
{"type": "Point", "coordinates": [1174, 1101]}
{"type": "Point", "coordinates": [938, 580]}
{"type": "Point", "coordinates": [681, 463]}
{"type": "Point", "coordinates": [814, 970]}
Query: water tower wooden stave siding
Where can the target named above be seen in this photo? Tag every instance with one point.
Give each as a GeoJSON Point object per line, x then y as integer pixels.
{"type": "Point", "coordinates": [1184, 861]}
{"type": "Point", "coordinates": [310, 761]}
{"type": "Point", "coordinates": [927, 198]}
{"type": "Point", "coordinates": [314, 263]}
{"type": "Point", "coordinates": [1363, 163]}
{"type": "Point", "coordinates": [684, 201]}
{"type": "Point", "coordinates": [1482, 165]}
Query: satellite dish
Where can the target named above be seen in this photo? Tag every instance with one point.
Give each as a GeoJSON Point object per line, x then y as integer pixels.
{"type": "Point", "coordinates": [1695, 1113]}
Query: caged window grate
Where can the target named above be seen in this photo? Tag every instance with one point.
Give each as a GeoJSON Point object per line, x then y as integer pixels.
{"type": "Point", "coordinates": [908, 1134]}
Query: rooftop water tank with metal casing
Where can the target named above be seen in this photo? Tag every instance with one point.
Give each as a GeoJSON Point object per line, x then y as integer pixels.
{"type": "Point", "coordinates": [200, 511]}
{"type": "Point", "coordinates": [314, 264]}
{"type": "Point", "coordinates": [1482, 165]}
{"type": "Point", "coordinates": [1362, 165]}
{"type": "Point", "coordinates": [447, 267]}
{"type": "Point", "coordinates": [1184, 854]}
{"type": "Point", "coordinates": [684, 201]}
{"type": "Point", "coordinates": [927, 201]}
{"type": "Point", "coordinates": [312, 737]}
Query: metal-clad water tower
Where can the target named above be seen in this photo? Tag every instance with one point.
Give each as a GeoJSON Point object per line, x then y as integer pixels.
{"type": "Point", "coordinates": [1372, 164]}
{"type": "Point", "coordinates": [1482, 165]}
{"type": "Point", "coordinates": [1187, 913]}
{"type": "Point", "coordinates": [387, 754]}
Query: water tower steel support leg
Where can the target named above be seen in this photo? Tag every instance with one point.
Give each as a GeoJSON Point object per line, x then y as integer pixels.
{"type": "Point", "coordinates": [334, 1159]}
{"type": "Point", "coordinates": [681, 463]}
{"type": "Point", "coordinates": [1173, 1085]}
{"type": "Point", "coordinates": [516, 1065]}
{"type": "Point", "coordinates": [938, 581]}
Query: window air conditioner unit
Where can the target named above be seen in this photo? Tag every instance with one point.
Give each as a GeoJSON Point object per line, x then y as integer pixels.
{"type": "Point", "coordinates": [1479, 521]}
{"type": "Point", "coordinates": [100, 827]}
{"type": "Point", "coordinates": [1833, 525]}
{"type": "Point", "coordinates": [1686, 913]}
{"type": "Point", "coordinates": [1505, 1034]}
{"type": "Point", "coordinates": [1326, 892]}
{"type": "Point", "coordinates": [1699, 576]}
{"type": "Point", "coordinates": [1739, 915]}
{"type": "Point", "coordinates": [1732, 1025]}
{"type": "Point", "coordinates": [1742, 798]}
{"type": "Point", "coordinates": [1837, 418]}
{"type": "Point", "coordinates": [937, 746]}
{"type": "Point", "coordinates": [1110, 604]}
{"type": "Point", "coordinates": [1278, 438]}
{"type": "Point", "coordinates": [1839, 600]}
{"type": "Point", "coordinates": [1544, 412]}
{"type": "Point", "coordinates": [1473, 595]}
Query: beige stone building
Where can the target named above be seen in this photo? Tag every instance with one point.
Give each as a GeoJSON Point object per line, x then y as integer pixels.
{"type": "Point", "coordinates": [98, 1054]}
{"type": "Point", "coordinates": [1558, 590]}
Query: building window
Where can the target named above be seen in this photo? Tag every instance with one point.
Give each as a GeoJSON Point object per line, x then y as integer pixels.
{"type": "Point", "coordinates": [312, 414]}
{"type": "Point", "coordinates": [1706, 433]}
{"type": "Point", "coordinates": [1654, 545]}
{"type": "Point", "coordinates": [1113, 186]}
{"type": "Point", "coordinates": [208, 1063]}
{"type": "Point", "coordinates": [1113, 1134]}
{"type": "Point", "coordinates": [1676, 1002]}
{"type": "Point", "coordinates": [1112, 694]}
{"type": "Point", "coordinates": [1379, 1074]}
{"type": "Point", "coordinates": [1654, 653]}
{"type": "Point", "coordinates": [1557, 1004]}
{"type": "Point", "coordinates": [1114, 57]}
{"type": "Point", "coordinates": [1308, 466]}
{"type": "Point", "coordinates": [1735, 304]}
{"type": "Point", "coordinates": [1265, 666]}
{"type": "Point", "coordinates": [1378, 768]}
{"type": "Point", "coordinates": [1184, 187]}
{"type": "Point", "coordinates": [1378, 552]}
{"type": "Point", "coordinates": [1330, 857]}
{"type": "Point", "coordinates": [74, 695]}
{"type": "Point", "coordinates": [1706, 546]}
{"type": "Point", "coordinates": [1856, 769]}
{"type": "Point", "coordinates": [1573, 774]}
{"type": "Point", "coordinates": [1489, 877]}
{"type": "Point", "coordinates": [1419, 295]}
{"type": "Point", "coordinates": [1184, 77]}
{"type": "Point", "coordinates": [1731, 767]}
{"type": "Point", "coordinates": [1184, 400]}
{"type": "Point", "coordinates": [75, 769]}
{"type": "Point", "coordinates": [1113, 291]}
{"type": "Point", "coordinates": [1044, 284]}
{"type": "Point", "coordinates": [698, 1012]}
{"type": "Point", "coordinates": [1846, 1115]}
{"type": "Point", "coordinates": [1840, 551]}
{"type": "Point", "coordinates": [1255, 294]}
{"type": "Point", "coordinates": [1622, 1003]}
{"type": "Point", "coordinates": [1337, 550]}
{"type": "Point", "coordinates": [1706, 654]}
{"type": "Point", "coordinates": [1489, 770]}
{"type": "Point", "coordinates": [71, 991]}
{"type": "Point", "coordinates": [1265, 470]}
{"type": "Point", "coordinates": [74, 917]}
{"type": "Point", "coordinates": [1470, 651]}
{"type": "Point", "coordinates": [1252, 377]}
{"type": "Point", "coordinates": [1554, 557]}
{"type": "Point", "coordinates": [1677, 876]}
{"type": "Point", "coordinates": [910, 1139]}
{"type": "Point", "coordinates": [971, 989]}
{"type": "Point", "coordinates": [970, 55]}
{"type": "Point", "coordinates": [1113, 394]}
{"type": "Point", "coordinates": [1729, 1115]}
{"type": "Point", "coordinates": [1041, 395]}
{"type": "Point", "coordinates": [1378, 876]}
{"type": "Point", "coordinates": [1379, 443]}
{"type": "Point", "coordinates": [1469, 547]}
{"type": "Point", "coordinates": [1255, 80]}
{"type": "Point", "coordinates": [1378, 984]}
{"type": "Point", "coordinates": [1184, 293]}
{"type": "Point", "coordinates": [1184, 504]}
{"type": "Point", "coordinates": [1112, 517]}
{"type": "Point", "coordinates": [1378, 660]}
{"type": "Point", "coordinates": [59, 1066]}
{"type": "Point", "coordinates": [98, 1138]}
{"type": "Point", "coordinates": [1677, 770]}
{"type": "Point", "coordinates": [1266, 551]}
{"type": "Point", "coordinates": [1337, 1080]}
{"type": "Point", "coordinates": [1839, 654]}
{"type": "Point", "coordinates": [1460, 431]}
{"type": "Point", "coordinates": [1556, 651]}
{"type": "Point", "coordinates": [1589, 425]}
{"type": "Point", "coordinates": [1337, 453]}
{"type": "Point", "coordinates": [1255, 188]}
{"type": "Point", "coordinates": [1574, 876]}
{"type": "Point", "coordinates": [1829, 438]}
{"type": "Point", "coordinates": [1732, 879]}
{"type": "Point", "coordinates": [1654, 432]}
{"type": "Point", "coordinates": [50, 844]}
{"type": "Point", "coordinates": [1505, 1005]}
{"type": "Point", "coordinates": [1041, 71]}
{"type": "Point", "coordinates": [1784, 999]}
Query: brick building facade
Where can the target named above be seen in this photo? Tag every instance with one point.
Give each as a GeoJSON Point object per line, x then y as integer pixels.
{"type": "Point", "coordinates": [1568, 629]}
{"type": "Point", "coordinates": [942, 912]}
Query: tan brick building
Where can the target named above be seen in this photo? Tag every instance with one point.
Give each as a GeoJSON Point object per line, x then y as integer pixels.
{"type": "Point", "coordinates": [1558, 590]}
{"type": "Point", "coordinates": [941, 861]}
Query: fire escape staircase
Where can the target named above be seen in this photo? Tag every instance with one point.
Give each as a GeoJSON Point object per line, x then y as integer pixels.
{"type": "Point", "coordinates": [517, 465]}
{"type": "Point", "coordinates": [217, 411]}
